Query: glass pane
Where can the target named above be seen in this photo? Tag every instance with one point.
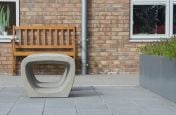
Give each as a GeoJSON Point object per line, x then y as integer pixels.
{"type": "Point", "coordinates": [12, 16]}
{"type": "Point", "coordinates": [149, 19]}
{"type": "Point", "coordinates": [174, 20]}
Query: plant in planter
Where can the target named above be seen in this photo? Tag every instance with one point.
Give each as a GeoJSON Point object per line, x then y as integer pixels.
{"type": "Point", "coordinates": [4, 18]}
{"type": "Point", "coordinates": [166, 48]}
{"type": "Point", "coordinates": [158, 68]}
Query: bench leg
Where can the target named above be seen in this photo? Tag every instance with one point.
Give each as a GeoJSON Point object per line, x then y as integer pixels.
{"type": "Point", "coordinates": [14, 66]}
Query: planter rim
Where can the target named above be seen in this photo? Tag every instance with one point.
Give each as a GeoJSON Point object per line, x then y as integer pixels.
{"type": "Point", "coordinates": [155, 56]}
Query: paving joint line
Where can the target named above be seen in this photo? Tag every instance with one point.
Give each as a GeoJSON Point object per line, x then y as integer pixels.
{"type": "Point", "coordinates": [75, 107]}
{"type": "Point", "coordinates": [44, 107]}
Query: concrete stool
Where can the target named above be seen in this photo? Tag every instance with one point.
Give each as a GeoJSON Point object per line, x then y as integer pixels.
{"type": "Point", "coordinates": [35, 88]}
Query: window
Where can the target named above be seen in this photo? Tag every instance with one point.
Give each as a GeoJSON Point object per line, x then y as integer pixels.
{"type": "Point", "coordinates": [173, 20]}
{"type": "Point", "coordinates": [9, 16]}
{"type": "Point", "coordinates": [150, 19]}
{"type": "Point", "coordinates": [174, 17]}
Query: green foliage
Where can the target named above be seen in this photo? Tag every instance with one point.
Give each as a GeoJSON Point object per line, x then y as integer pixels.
{"type": "Point", "coordinates": [4, 15]}
{"type": "Point", "coordinates": [166, 47]}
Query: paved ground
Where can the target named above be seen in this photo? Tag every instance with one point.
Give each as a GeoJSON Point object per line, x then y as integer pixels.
{"type": "Point", "coordinates": [88, 80]}
{"type": "Point", "coordinates": [91, 95]}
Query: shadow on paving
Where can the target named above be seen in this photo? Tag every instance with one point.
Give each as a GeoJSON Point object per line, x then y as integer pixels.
{"type": "Point", "coordinates": [87, 91]}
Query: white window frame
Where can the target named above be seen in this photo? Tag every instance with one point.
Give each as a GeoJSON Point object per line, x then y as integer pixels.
{"type": "Point", "coordinates": [8, 38]}
{"type": "Point", "coordinates": [172, 2]}
{"type": "Point", "coordinates": [150, 37]}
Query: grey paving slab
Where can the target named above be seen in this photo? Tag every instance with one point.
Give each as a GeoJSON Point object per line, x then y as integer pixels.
{"type": "Point", "coordinates": [27, 106]}
{"type": "Point", "coordinates": [125, 108]}
{"type": "Point", "coordinates": [27, 109]}
{"type": "Point", "coordinates": [54, 111]}
{"type": "Point", "coordinates": [159, 111]}
{"type": "Point", "coordinates": [59, 103]}
{"type": "Point", "coordinates": [6, 99]}
{"type": "Point", "coordinates": [24, 100]}
{"type": "Point", "coordinates": [60, 106]}
{"type": "Point", "coordinates": [89, 112]}
{"type": "Point", "coordinates": [91, 106]}
{"type": "Point", "coordinates": [133, 112]}
{"type": "Point", "coordinates": [88, 97]}
{"type": "Point", "coordinates": [12, 91]}
{"type": "Point", "coordinates": [87, 104]}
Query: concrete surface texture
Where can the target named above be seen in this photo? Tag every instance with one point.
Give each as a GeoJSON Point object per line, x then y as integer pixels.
{"type": "Point", "coordinates": [37, 88]}
{"type": "Point", "coordinates": [91, 95]}
{"type": "Point", "coordinates": [157, 73]}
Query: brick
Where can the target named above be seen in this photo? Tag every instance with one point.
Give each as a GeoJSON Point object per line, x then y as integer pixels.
{"type": "Point", "coordinates": [6, 62]}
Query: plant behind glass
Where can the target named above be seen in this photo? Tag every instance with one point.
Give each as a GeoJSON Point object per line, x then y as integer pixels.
{"type": "Point", "coordinates": [146, 18]}
{"type": "Point", "coordinates": [4, 17]}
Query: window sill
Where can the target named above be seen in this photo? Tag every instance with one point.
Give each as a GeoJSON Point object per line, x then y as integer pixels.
{"type": "Point", "coordinates": [148, 38]}
{"type": "Point", "coordinates": [137, 41]}
{"type": "Point", "coordinates": [6, 38]}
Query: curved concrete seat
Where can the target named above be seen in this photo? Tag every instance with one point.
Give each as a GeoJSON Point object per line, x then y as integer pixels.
{"type": "Point", "coordinates": [36, 88]}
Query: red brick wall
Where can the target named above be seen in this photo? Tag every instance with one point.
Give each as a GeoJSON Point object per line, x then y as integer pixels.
{"type": "Point", "coordinates": [5, 58]}
{"type": "Point", "coordinates": [108, 31]}
{"type": "Point", "coordinates": [109, 46]}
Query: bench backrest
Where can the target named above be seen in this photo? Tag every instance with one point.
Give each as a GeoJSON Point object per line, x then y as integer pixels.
{"type": "Point", "coordinates": [44, 38]}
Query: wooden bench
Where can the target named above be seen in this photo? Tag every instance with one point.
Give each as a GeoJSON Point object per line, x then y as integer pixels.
{"type": "Point", "coordinates": [29, 40]}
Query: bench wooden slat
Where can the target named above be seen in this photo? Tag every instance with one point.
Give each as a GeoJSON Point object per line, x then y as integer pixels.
{"type": "Point", "coordinates": [44, 38]}
{"type": "Point", "coordinates": [55, 38]}
{"type": "Point", "coordinates": [22, 53]}
{"type": "Point", "coordinates": [38, 37]}
{"type": "Point", "coordinates": [68, 37]}
{"type": "Point", "coordinates": [25, 37]}
{"type": "Point", "coordinates": [44, 47]}
{"type": "Point", "coordinates": [62, 37]}
{"type": "Point", "coordinates": [24, 27]}
{"type": "Point", "coordinates": [19, 36]}
{"type": "Point", "coordinates": [49, 38]}
{"type": "Point", "coordinates": [32, 37]}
